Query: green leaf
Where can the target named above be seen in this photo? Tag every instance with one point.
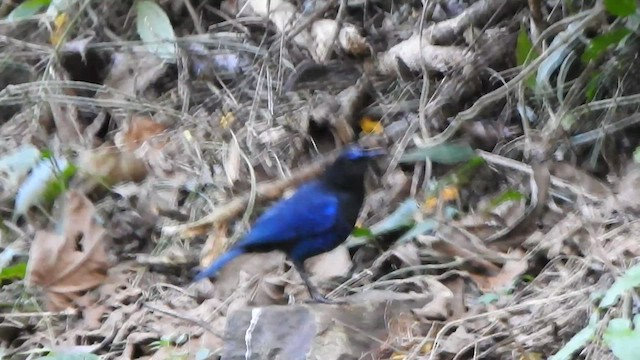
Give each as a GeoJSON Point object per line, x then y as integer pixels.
{"type": "Point", "coordinates": [528, 278]}
{"type": "Point", "coordinates": [444, 154]}
{"type": "Point", "coordinates": [27, 9]}
{"type": "Point", "coordinates": [30, 193]}
{"type": "Point", "coordinates": [593, 86]}
{"type": "Point", "coordinates": [620, 8]}
{"type": "Point", "coordinates": [567, 121]}
{"type": "Point", "coordinates": [46, 154]}
{"type": "Point", "coordinates": [463, 173]}
{"type": "Point", "coordinates": [17, 271]}
{"type": "Point", "coordinates": [578, 341]}
{"type": "Point", "coordinates": [402, 217]}
{"type": "Point", "coordinates": [424, 227]}
{"type": "Point", "coordinates": [488, 298]}
{"type": "Point", "coordinates": [361, 232]}
{"type": "Point", "coordinates": [525, 52]}
{"type": "Point", "coordinates": [629, 280]}
{"type": "Point", "coordinates": [623, 341]}
{"type": "Point", "coordinates": [156, 30]}
{"type": "Point", "coordinates": [58, 185]}
{"type": "Point", "coordinates": [509, 195]}
{"type": "Point", "coordinates": [600, 43]}
{"type": "Point", "coordinates": [636, 155]}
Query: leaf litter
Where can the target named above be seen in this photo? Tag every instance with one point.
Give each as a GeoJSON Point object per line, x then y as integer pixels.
{"type": "Point", "coordinates": [501, 257]}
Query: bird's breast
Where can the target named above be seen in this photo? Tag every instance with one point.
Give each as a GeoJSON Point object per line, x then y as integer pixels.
{"type": "Point", "coordinates": [350, 204]}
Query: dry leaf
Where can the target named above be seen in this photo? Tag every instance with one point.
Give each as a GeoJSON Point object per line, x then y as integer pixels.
{"type": "Point", "coordinates": [227, 119]}
{"type": "Point", "coordinates": [140, 129]}
{"type": "Point", "coordinates": [282, 14]}
{"type": "Point", "coordinates": [69, 127]}
{"type": "Point", "coordinates": [110, 166]}
{"type": "Point", "coordinates": [71, 261]}
{"type": "Point", "coordinates": [439, 307]}
{"type": "Point", "coordinates": [146, 68]}
{"type": "Point", "coordinates": [323, 32]}
{"type": "Point", "coordinates": [400, 254]}
{"type": "Point", "coordinates": [416, 51]}
{"type": "Point", "coordinates": [351, 41]}
{"type": "Point", "coordinates": [215, 245]}
{"type": "Point", "coordinates": [457, 286]}
{"type": "Point", "coordinates": [60, 25]}
{"type": "Point", "coordinates": [560, 239]}
{"type": "Point", "coordinates": [246, 269]}
{"type": "Point", "coordinates": [334, 263]}
{"type": "Point", "coordinates": [511, 270]}
{"type": "Point", "coordinates": [233, 162]}
{"type": "Point", "coordinates": [457, 341]}
{"type": "Point", "coordinates": [448, 193]}
{"type": "Point", "coordinates": [627, 190]}
{"type": "Point", "coordinates": [456, 242]}
{"type": "Point", "coordinates": [580, 179]}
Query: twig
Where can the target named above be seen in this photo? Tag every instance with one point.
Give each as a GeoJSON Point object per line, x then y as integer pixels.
{"type": "Point", "coordinates": [491, 98]}
{"type": "Point", "coordinates": [68, 312]}
{"type": "Point", "coordinates": [202, 324]}
{"type": "Point", "coordinates": [265, 191]}
{"type": "Point", "coordinates": [519, 166]}
{"type": "Point", "coordinates": [479, 14]}
{"type": "Point", "coordinates": [342, 12]}
{"type": "Point", "coordinates": [194, 17]}
{"type": "Point", "coordinates": [307, 22]}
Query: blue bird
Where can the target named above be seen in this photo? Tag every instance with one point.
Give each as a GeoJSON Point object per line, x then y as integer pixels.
{"type": "Point", "coordinates": [317, 218]}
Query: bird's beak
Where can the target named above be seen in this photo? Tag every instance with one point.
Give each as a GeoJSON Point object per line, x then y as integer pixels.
{"type": "Point", "coordinates": [374, 153]}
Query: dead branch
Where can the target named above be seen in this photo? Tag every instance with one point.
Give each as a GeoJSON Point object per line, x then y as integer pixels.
{"type": "Point", "coordinates": [479, 15]}
{"type": "Point", "coordinates": [264, 192]}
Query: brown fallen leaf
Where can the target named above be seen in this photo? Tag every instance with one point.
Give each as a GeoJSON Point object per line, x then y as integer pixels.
{"type": "Point", "coordinates": [452, 242]}
{"type": "Point", "coordinates": [335, 263]}
{"type": "Point", "coordinates": [66, 118]}
{"type": "Point", "coordinates": [250, 271]}
{"type": "Point", "coordinates": [400, 254]}
{"type": "Point", "coordinates": [456, 285]}
{"type": "Point", "coordinates": [216, 244]}
{"type": "Point", "coordinates": [71, 260]}
{"type": "Point", "coordinates": [146, 67]}
{"type": "Point", "coordinates": [580, 179]}
{"type": "Point", "coordinates": [440, 307]}
{"type": "Point", "coordinates": [457, 341]}
{"type": "Point", "coordinates": [109, 166]}
{"type": "Point", "coordinates": [509, 272]}
{"type": "Point", "coordinates": [140, 130]}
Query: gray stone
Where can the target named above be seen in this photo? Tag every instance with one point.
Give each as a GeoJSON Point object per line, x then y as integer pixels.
{"type": "Point", "coordinates": [317, 331]}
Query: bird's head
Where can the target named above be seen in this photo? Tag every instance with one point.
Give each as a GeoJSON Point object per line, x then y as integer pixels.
{"type": "Point", "coordinates": [349, 168]}
{"type": "Point", "coordinates": [358, 154]}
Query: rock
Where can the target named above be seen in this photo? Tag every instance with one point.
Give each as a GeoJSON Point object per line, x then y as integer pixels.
{"type": "Point", "coordinates": [317, 331]}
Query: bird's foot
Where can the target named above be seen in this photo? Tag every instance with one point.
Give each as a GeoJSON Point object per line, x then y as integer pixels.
{"type": "Point", "coordinates": [316, 296]}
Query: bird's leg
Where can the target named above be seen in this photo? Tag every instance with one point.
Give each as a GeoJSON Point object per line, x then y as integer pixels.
{"type": "Point", "coordinates": [313, 290]}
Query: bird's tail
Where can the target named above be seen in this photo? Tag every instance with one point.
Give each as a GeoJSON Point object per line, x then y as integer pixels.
{"type": "Point", "coordinates": [219, 264]}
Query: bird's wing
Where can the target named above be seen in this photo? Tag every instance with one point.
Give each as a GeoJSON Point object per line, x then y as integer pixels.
{"type": "Point", "coordinates": [311, 210]}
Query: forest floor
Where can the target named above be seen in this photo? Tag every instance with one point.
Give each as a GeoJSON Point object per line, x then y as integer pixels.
{"type": "Point", "coordinates": [138, 140]}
